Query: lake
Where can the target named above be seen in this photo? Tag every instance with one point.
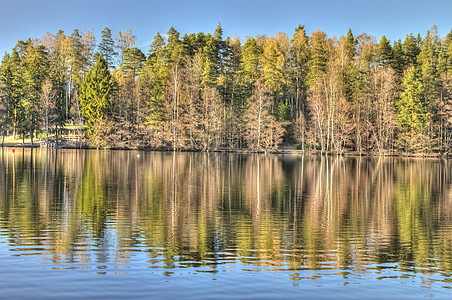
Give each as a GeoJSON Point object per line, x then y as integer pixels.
{"type": "Point", "coordinates": [162, 225]}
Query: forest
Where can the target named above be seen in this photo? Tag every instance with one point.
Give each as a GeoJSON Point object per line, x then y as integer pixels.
{"type": "Point", "coordinates": [204, 92]}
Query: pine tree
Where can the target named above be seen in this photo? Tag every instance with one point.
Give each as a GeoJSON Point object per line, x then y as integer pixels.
{"type": "Point", "coordinates": [210, 62]}
{"type": "Point", "coordinates": [398, 62]}
{"type": "Point", "coordinates": [226, 73]}
{"type": "Point", "coordinates": [107, 47]}
{"type": "Point", "coordinates": [412, 112]}
{"type": "Point", "coordinates": [411, 49]}
{"type": "Point", "coordinates": [188, 44]}
{"type": "Point", "coordinates": [317, 63]}
{"type": "Point", "coordinates": [174, 47]}
{"type": "Point", "coordinates": [350, 46]}
{"type": "Point", "coordinates": [300, 54]}
{"type": "Point", "coordinates": [448, 54]}
{"type": "Point", "coordinates": [6, 88]}
{"type": "Point", "coordinates": [428, 62]}
{"type": "Point", "coordinates": [15, 63]}
{"type": "Point", "coordinates": [36, 70]}
{"type": "Point", "coordinates": [350, 74]}
{"type": "Point", "coordinates": [208, 72]}
{"type": "Point", "coordinates": [95, 94]}
{"type": "Point", "coordinates": [250, 61]}
{"type": "Point", "coordinates": [219, 46]}
{"type": "Point", "coordinates": [133, 60]}
{"type": "Point", "coordinates": [76, 59]}
{"type": "Point", "coordinates": [200, 42]}
{"type": "Point", "coordinates": [273, 63]}
{"type": "Point", "coordinates": [384, 52]}
{"type": "Point", "coordinates": [154, 79]}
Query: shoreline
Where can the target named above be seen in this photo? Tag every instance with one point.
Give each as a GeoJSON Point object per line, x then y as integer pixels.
{"type": "Point", "coordinates": [290, 150]}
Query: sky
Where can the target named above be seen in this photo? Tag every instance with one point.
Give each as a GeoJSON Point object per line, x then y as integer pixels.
{"type": "Point", "coordinates": [20, 19]}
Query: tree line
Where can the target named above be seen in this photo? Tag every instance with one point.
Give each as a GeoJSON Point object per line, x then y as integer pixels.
{"type": "Point", "coordinates": [203, 92]}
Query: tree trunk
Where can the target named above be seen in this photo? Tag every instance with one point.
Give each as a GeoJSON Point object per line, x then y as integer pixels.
{"type": "Point", "coordinates": [56, 136]}
{"type": "Point", "coordinates": [15, 122]}
{"type": "Point", "coordinates": [47, 127]}
{"type": "Point", "coordinates": [259, 122]}
{"type": "Point", "coordinates": [174, 110]}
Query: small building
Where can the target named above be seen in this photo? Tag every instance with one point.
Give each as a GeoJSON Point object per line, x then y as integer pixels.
{"type": "Point", "coordinates": [73, 132]}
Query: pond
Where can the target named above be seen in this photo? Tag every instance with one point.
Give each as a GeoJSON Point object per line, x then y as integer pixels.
{"type": "Point", "coordinates": [159, 225]}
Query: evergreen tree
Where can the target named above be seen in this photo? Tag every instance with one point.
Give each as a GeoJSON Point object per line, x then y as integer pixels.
{"type": "Point", "coordinates": [384, 52]}
{"type": "Point", "coordinates": [317, 63]}
{"type": "Point", "coordinates": [210, 62]}
{"type": "Point", "coordinates": [448, 54]}
{"type": "Point", "coordinates": [412, 112]}
{"type": "Point", "coordinates": [133, 60]}
{"type": "Point", "coordinates": [219, 47]}
{"type": "Point", "coordinates": [411, 49]}
{"type": "Point", "coordinates": [300, 54]}
{"type": "Point", "coordinates": [200, 42]}
{"type": "Point", "coordinates": [107, 47]}
{"type": "Point", "coordinates": [428, 62]}
{"type": "Point", "coordinates": [17, 91]}
{"type": "Point", "coordinates": [3, 115]}
{"type": "Point", "coordinates": [398, 58]}
{"type": "Point", "coordinates": [250, 61]}
{"type": "Point", "coordinates": [350, 74]}
{"type": "Point", "coordinates": [208, 72]}
{"type": "Point", "coordinates": [36, 70]}
{"type": "Point", "coordinates": [6, 87]}
{"type": "Point", "coordinates": [227, 71]}
{"type": "Point", "coordinates": [188, 44]}
{"type": "Point", "coordinates": [155, 77]}
{"type": "Point", "coordinates": [76, 59]}
{"type": "Point", "coordinates": [273, 63]}
{"type": "Point", "coordinates": [58, 84]}
{"type": "Point", "coordinates": [350, 46]}
{"type": "Point", "coordinates": [174, 48]}
{"type": "Point", "coordinates": [95, 94]}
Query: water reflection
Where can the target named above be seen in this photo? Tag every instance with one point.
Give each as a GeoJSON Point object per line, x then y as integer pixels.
{"type": "Point", "coordinates": [105, 210]}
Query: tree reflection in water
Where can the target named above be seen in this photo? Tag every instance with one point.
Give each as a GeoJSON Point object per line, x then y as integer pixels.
{"type": "Point", "coordinates": [83, 209]}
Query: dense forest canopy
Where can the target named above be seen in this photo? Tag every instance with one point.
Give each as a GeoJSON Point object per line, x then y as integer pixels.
{"type": "Point", "coordinates": [206, 92]}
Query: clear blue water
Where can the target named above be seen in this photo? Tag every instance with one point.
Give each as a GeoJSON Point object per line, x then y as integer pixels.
{"type": "Point", "coordinates": [158, 225]}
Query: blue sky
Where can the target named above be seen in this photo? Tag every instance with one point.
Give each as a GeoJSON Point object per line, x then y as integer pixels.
{"type": "Point", "coordinates": [20, 19]}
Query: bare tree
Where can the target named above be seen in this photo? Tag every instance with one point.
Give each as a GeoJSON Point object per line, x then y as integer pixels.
{"type": "Point", "coordinates": [382, 95]}
{"type": "Point", "coordinates": [264, 132]}
{"type": "Point", "coordinates": [124, 40]}
{"type": "Point", "coordinates": [47, 97]}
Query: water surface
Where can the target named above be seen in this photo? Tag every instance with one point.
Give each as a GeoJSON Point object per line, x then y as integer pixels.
{"type": "Point", "coordinates": [123, 224]}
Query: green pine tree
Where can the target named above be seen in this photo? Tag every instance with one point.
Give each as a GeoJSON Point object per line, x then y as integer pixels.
{"type": "Point", "coordinates": [133, 60]}
{"type": "Point", "coordinates": [250, 67]}
{"type": "Point", "coordinates": [411, 49]}
{"type": "Point", "coordinates": [35, 72]}
{"type": "Point", "coordinates": [107, 47]}
{"type": "Point", "coordinates": [317, 63]}
{"type": "Point", "coordinates": [301, 53]}
{"type": "Point", "coordinates": [448, 54]}
{"type": "Point", "coordinates": [412, 112]}
{"type": "Point", "coordinates": [95, 94]}
{"type": "Point", "coordinates": [398, 58]}
{"type": "Point", "coordinates": [384, 52]}
{"type": "Point", "coordinates": [154, 79]}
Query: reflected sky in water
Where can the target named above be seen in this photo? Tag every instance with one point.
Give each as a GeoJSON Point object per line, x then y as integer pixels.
{"type": "Point", "coordinates": [79, 223]}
